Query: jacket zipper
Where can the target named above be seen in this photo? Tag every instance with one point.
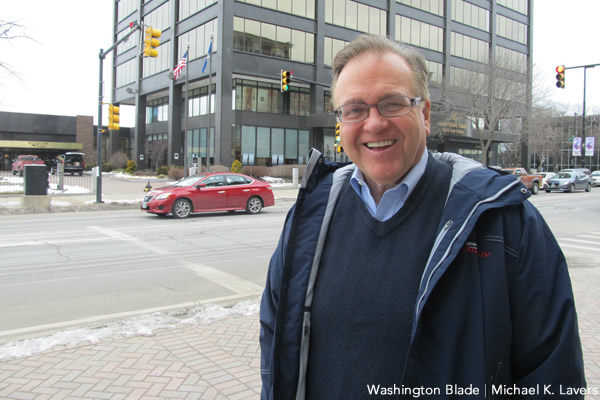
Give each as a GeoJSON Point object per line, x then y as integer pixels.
{"type": "Point", "coordinates": [454, 239]}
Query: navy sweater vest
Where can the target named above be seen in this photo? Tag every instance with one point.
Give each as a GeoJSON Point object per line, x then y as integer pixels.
{"type": "Point", "coordinates": [366, 290]}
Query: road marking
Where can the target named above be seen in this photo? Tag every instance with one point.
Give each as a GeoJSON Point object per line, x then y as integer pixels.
{"type": "Point", "coordinates": [122, 236]}
{"type": "Point", "coordinates": [572, 246]}
{"type": "Point", "coordinates": [224, 279]}
{"type": "Point", "coordinates": [581, 241]}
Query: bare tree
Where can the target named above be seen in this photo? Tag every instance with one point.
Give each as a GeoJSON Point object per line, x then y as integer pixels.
{"type": "Point", "coordinates": [544, 136]}
{"type": "Point", "coordinates": [157, 152]}
{"type": "Point", "coordinates": [492, 100]}
{"type": "Point", "coordinates": [10, 31]}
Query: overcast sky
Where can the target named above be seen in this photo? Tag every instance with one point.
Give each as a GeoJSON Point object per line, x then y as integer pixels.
{"type": "Point", "coordinates": [59, 69]}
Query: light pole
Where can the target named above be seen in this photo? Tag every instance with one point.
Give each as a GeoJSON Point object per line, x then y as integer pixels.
{"type": "Point", "coordinates": [134, 27]}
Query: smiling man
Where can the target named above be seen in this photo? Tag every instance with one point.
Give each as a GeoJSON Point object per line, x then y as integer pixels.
{"type": "Point", "coordinates": [409, 273]}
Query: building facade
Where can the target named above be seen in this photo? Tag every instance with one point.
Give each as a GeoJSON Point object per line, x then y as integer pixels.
{"type": "Point", "coordinates": [45, 136]}
{"type": "Point", "coordinates": [234, 102]}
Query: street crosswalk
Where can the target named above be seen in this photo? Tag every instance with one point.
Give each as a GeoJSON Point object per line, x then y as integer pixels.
{"type": "Point", "coordinates": [582, 248]}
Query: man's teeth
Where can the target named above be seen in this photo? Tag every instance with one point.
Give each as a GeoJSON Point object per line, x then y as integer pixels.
{"type": "Point", "coordinates": [383, 143]}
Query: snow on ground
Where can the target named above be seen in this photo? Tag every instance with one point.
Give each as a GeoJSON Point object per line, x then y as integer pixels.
{"type": "Point", "coordinates": [143, 325]}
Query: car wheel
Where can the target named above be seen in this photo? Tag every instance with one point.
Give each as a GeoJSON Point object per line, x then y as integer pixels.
{"type": "Point", "coordinates": [182, 208]}
{"type": "Point", "coordinates": [535, 189]}
{"type": "Point", "coordinates": [571, 188]}
{"type": "Point", "coordinates": [589, 187]}
{"type": "Point", "coordinates": [254, 205]}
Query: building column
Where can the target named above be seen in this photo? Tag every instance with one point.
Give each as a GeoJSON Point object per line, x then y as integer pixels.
{"type": "Point", "coordinates": [138, 148]}
{"type": "Point", "coordinates": [175, 129]}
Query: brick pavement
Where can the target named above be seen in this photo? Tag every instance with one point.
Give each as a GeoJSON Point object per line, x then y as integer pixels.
{"type": "Point", "coordinates": [218, 360]}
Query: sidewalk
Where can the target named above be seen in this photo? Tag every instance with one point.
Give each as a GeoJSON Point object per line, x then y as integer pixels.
{"type": "Point", "coordinates": [117, 194]}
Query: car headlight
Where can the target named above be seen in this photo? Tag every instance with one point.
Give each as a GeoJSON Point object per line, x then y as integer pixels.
{"type": "Point", "coordinates": [163, 196]}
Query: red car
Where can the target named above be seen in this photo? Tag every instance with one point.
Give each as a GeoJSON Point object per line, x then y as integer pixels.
{"type": "Point", "coordinates": [223, 191]}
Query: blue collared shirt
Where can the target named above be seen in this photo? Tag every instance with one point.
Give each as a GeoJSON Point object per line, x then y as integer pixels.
{"type": "Point", "coordinates": [393, 199]}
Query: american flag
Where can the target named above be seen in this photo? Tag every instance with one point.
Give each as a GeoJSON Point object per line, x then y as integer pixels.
{"type": "Point", "coordinates": [180, 66]}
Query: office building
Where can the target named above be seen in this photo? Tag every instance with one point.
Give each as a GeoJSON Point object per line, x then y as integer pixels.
{"type": "Point", "coordinates": [247, 117]}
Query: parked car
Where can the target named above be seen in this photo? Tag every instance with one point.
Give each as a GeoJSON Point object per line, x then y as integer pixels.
{"type": "Point", "coordinates": [546, 176]}
{"type": "Point", "coordinates": [18, 165]}
{"type": "Point", "coordinates": [596, 178]}
{"type": "Point", "coordinates": [533, 182]}
{"type": "Point", "coordinates": [73, 161]}
{"type": "Point", "coordinates": [569, 182]}
{"type": "Point", "coordinates": [224, 191]}
{"type": "Point", "coordinates": [584, 170]}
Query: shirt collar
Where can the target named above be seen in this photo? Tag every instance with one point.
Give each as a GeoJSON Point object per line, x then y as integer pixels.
{"type": "Point", "coordinates": [394, 198]}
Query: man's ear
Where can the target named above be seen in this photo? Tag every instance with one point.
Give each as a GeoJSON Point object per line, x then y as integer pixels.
{"type": "Point", "coordinates": [427, 116]}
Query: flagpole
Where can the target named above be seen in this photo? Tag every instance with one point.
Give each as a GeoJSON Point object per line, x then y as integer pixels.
{"type": "Point", "coordinates": [185, 118]}
{"type": "Point", "coordinates": [209, 96]}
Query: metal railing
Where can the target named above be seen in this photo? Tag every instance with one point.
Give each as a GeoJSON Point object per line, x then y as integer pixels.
{"type": "Point", "coordinates": [57, 183]}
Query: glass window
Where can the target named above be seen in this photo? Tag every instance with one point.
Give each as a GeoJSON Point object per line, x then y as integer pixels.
{"type": "Point", "coordinates": [299, 48]}
{"type": "Point", "coordinates": [277, 143]}
{"type": "Point", "coordinates": [511, 29]}
{"type": "Point", "coordinates": [268, 39]}
{"type": "Point", "coordinates": [431, 6]}
{"type": "Point", "coordinates": [248, 144]}
{"type": "Point", "coordinates": [291, 145]}
{"type": "Point", "coordinates": [310, 48]}
{"type": "Point", "coordinates": [285, 6]}
{"type": "Point", "coordinates": [352, 15]}
{"type": "Point", "coordinates": [419, 33]}
{"type": "Point", "coordinates": [363, 17]}
{"type": "Point", "coordinates": [237, 180]}
{"type": "Point", "coordinates": [470, 14]}
{"type": "Point", "coordinates": [303, 147]}
{"type": "Point", "coordinates": [264, 100]}
{"type": "Point", "coordinates": [283, 42]}
{"type": "Point", "coordinates": [263, 142]}
{"type": "Point", "coordinates": [339, 7]}
{"type": "Point", "coordinates": [252, 36]}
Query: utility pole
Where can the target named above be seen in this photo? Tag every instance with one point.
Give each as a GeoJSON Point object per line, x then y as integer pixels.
{"type": "Point", "coordinates": [134, 27]}
{"type": "Point", "coordinates": [561, 84]}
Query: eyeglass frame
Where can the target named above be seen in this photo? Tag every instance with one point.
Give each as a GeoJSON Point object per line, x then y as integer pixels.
{"type": "Point", "coordinates": [414, 102]}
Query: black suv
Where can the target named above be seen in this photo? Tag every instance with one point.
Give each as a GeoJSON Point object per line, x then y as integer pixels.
{"type": "Point", "coordinates": [73, 162]}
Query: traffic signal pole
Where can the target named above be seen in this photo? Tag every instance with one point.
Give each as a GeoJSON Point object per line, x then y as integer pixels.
{"type": "Point", "coordinates": [583, 145]}
{"type": "Point", "coordinates": [134, 27]}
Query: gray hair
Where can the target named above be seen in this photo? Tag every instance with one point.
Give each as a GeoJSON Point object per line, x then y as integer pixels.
{"type": "Point", "coordinates": [381, 45]}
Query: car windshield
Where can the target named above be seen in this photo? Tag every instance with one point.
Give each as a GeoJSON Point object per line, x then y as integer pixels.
{"type": "Point", "coordinates": [596, 173]}
{"type": "Point", "coordinates": [564, 175]}
{"type": "Point", "coordinates": [189, 181]}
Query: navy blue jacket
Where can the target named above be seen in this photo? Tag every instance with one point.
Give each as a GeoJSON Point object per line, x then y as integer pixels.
{"type": "Point", "coordinates": [494, 313]}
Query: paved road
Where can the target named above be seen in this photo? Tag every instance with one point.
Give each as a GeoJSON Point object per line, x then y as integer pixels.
{"type": "Point", "coordinates": [182, 356]}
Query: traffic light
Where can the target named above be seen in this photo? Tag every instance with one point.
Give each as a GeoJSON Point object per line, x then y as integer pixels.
{"type": "Point", "coordinates": [113, 118]}
{"type": "Point", "coordinates": [560, 76]}
{"type": "Point", "coordinates": [338, 139]}
{"type": "Point", "coordinates": [286, 78]}
{"type": "Point", "coordinates": [151, 42]}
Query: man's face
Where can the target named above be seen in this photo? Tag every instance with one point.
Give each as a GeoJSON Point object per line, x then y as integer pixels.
{"type": "Point", "coordinates": [383, 148]}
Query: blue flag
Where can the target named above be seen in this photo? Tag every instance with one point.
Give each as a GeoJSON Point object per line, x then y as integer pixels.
{"type": "Point", "coordinates": [207, 56]}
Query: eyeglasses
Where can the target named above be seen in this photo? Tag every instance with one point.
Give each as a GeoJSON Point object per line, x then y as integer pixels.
{"type": "Point", "coordinates": [389, 107]}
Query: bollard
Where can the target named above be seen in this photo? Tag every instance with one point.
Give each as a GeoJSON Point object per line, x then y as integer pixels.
{"type": "Point", "coordinates": [295, 176]}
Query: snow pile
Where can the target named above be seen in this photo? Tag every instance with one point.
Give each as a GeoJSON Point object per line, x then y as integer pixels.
{"type": "Point", "coordinates": [144, 325]}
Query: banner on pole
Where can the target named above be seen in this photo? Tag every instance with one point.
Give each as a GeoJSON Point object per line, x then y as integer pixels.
{"type": "Point", "coordinates": [589, 146]}
{"type": "Point", "coordinates": [576, 146]}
